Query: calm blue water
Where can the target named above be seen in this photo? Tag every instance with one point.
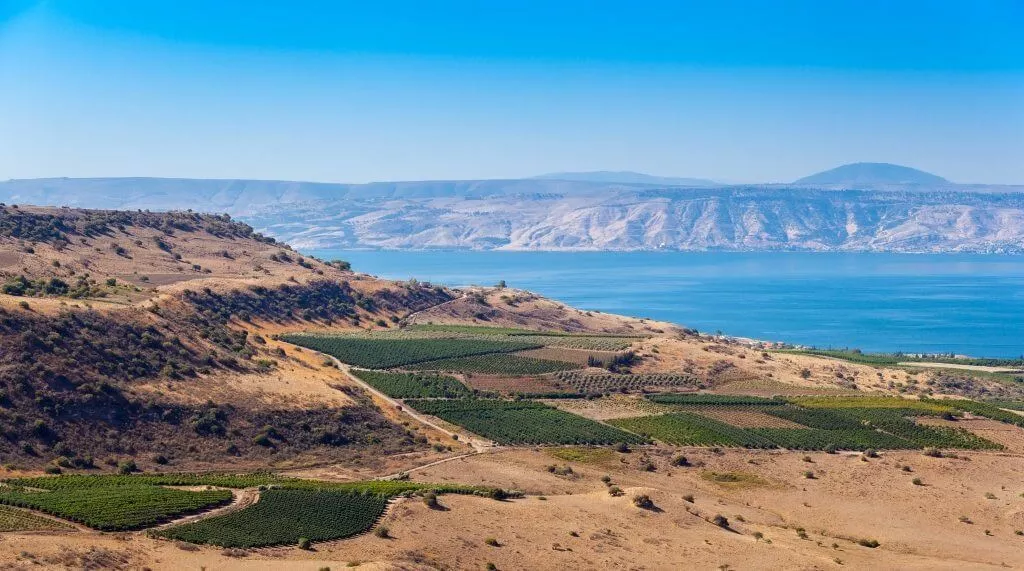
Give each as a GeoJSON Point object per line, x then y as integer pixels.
{"type": "Point", "coordinates": [970, 304]}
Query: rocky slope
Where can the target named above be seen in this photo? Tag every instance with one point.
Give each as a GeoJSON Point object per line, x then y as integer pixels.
{"type": "Point", "coordinates": [539, 214]}
{"type": "Point", "coordinates": [747, 218]}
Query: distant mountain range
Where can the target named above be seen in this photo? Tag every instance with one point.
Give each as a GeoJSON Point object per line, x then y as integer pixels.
{"type": "Point", "coordinates": [627, 177]}
{"type": "Point", "coordinates": [870, 174]}
{"type": "Point", "coordinates": [860, 207]}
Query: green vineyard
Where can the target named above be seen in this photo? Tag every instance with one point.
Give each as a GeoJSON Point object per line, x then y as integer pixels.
{"type": "Point", "coordinates": [822, 418]}
{"type": "Point", "coordinates": [839, 439]}
{"type": "Point", "coordinates": [411, 385]}
{"type": "Point", "coordinates": [522, 422]}
{"type": "Point", "coordinates": [710, 399]}
{"type": "Point", "coordinates": [689, 429]}
{"type": "Point", "coordinates": [71, 482]}
{"type": "Point", "coordinates": [849, 423]}
{"type": "Point", "coordinates": [114, 508]}
{"type": "Point", "coordinates": [982, 409]}
{"type": "Point", "coordinates": [387, 353]}
{"type": "Point", "coordinates": [13, 519]}
{"type": "Point", "coordinates": [496, 364]}
{"type": "Point", "coordinates": [590, 383]}
{"type": "Point", "coordinates": [282, 516]}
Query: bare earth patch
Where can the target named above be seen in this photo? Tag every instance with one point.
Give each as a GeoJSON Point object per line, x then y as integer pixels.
{"type": "Point", "coordinates": [745, 418]}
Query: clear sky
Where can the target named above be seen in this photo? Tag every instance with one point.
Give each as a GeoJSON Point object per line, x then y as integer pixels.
{"type": "Point", "coordinates": [737, 91]}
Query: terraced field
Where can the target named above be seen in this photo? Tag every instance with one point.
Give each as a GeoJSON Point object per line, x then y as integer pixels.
{"type": "Point", "coordinates": [597, 383]}
{"type": "Point", "coordinates": [744, 418]}
{"type": "Point", "coordinates": [522, 422]}
{"type": "Point", "coordinates": [689, 429]}
{"type": "Point", "coordinates": [578, 356]}
{"type": "Point", "coordinates": [825, 423]}
{"type": "Point", "coordinates": [706, 399]}
{"type": "Point", "coordinates": [288, 508]}
{"type": "Point", "coordinates": [114, 508]}
{"type": "Point", "coordinates": [614, 406]}
{"type": "Point", "coordinates": [411, 385]}
{"type": "Point", "coordinates": [840, 439]}
{"type": "Point", "coordinates": [13, 519]}
{"type": "Point", "coordinates": [495, 364]}
{"type": "Point", "coordinates": [282, 517]}
{"type": "Point", "coordinates": [387, 353]}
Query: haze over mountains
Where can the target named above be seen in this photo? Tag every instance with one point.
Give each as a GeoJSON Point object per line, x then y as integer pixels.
{"type": "Point", "coordinates": [626, 177]}
{"type": "Point", "coordinates": [857, 207]}
{"type": "Point", "coordinates": [872, 174]}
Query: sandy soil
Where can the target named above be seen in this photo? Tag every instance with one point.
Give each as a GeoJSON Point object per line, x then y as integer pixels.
{"type": "Point", "coordinates": [573, 523]}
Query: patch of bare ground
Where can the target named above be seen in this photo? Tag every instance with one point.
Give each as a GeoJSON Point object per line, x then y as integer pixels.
{"type": "Point", "coordinates": [614, 406]}
{"type": "Point", "coordinates": [776, 517]}
{"type": "Point", "coordinates": [745, 418]}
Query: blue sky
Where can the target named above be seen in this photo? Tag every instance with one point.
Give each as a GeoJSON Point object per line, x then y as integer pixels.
{"type": "Point", "coordinates": [362, 91]}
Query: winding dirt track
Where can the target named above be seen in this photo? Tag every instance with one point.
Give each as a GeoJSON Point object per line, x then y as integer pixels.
{"type": "Point", "coordinates": [240, 499]}
{"type": "Point", "coordinates": [478, 444]}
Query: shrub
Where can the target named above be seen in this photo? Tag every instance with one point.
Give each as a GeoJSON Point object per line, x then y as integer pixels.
{"type": "Point", "coordinates": [304, 543]}
{"type": "Point", "coordinates": [430, 500]}
{"type": "Point", "coordinates": [932, 452]}
{"type": "Point", "coordinates": [809, 475]}
{"type": "Point", "coordinates": [643, 501]}
{"type": "Point", "coordinates": [871, 453]}
{"type": "Point", "coordinates": [493, 542]}
{"type": "Point", "coordinates": [688, 498]}
{"type": "Point", "coordinates": [127, 467]}
{"type": "Point", "coordinates": [382, 532]}
{"type": "Point", "coordinates": [917, 482]}
{"type": "Point", "coordinates": [721, 521]}
{"type": "Point", "coordinates": [615, 491]}
{"type": "Point", "coordinates": [680, 461]}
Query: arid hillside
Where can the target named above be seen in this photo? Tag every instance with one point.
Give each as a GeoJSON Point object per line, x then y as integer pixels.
{"type": "Point", "coordinates": [204, 391]}
{"type": "Point", "coordinates": [131, 336]}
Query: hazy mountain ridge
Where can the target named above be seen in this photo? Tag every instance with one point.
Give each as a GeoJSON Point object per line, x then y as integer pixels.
{"type": "Point", "coordinates": [626, 177]}
{"type": "Point", "coordinates": [541, 214]}
{"type": "Point", "coordinates": [855, 174]}
{"type": "Point", "coordinates": [714, 219]}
